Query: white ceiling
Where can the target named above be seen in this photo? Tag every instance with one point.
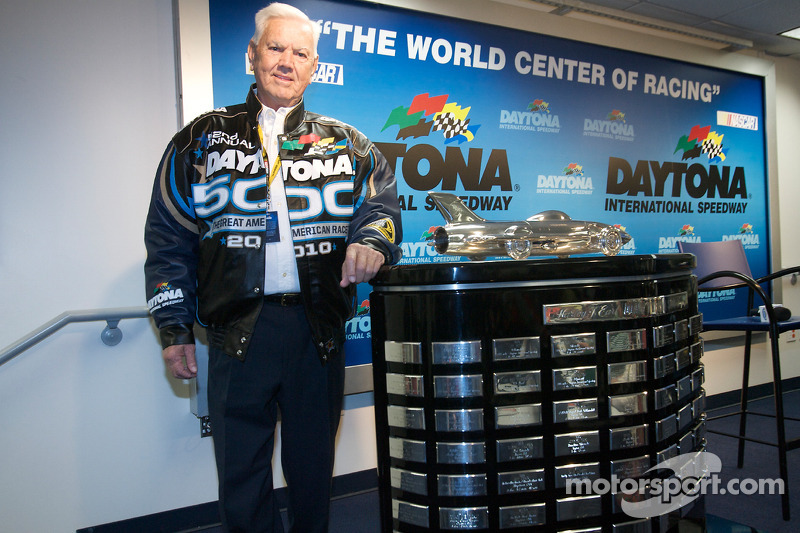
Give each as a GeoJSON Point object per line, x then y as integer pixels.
{"type": "Point", "coordinates": [754, 24]}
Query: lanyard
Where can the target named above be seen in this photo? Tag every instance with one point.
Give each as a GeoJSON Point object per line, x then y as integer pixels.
{"type": "Point", "coordinates": [276, 166]}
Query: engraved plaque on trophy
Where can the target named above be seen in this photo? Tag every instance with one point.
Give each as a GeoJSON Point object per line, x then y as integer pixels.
{"type": "Point", "coordinates": [404, 385]}
{"type": "Point", "coordinates": [697, 351]}
{"type": "Point", "coordinates": [681, 330]}
{"type": "Point", "coordinates": [588, 471]}
{"type": "Point", "coordinates": [667, 453]}
{"type": "Point", "coordinates": [578, 507]}
{"type": "Point", "coordinates": [686, 443]}
{"type": "Point", "coordinates": [460, 453]}
{"type": "Point", "coordinates": [570, 313]}
{"type": "Point", "coordinates": [458, 352]}
{"type": "Point", "coordinates": [464, 517]}
{"type": "Point", "coordinates": [635, 526]}
{"type": "Point", "coordinates": [402, 352]}
{"type": "Point", "coordinates": [406, 417]}
{"type": "Point", "coordinates": [630, 372]}
{"type": "Point", "coordinates": [517, 382]}
{"type": "Point", "coordinates": [520, 481]}
{"type": "Point", "coordinates": [460, 420]}
{"type": "Point", "coordinates": [665, 396]}
{"type": "Point", "coordinates": [664, 366]}
{"type": "Point", "coordinates": [626, 341]}
{"type": "Point", "coordinates": [410, 513]}
{"type": "Point", "coordinates": [630, 468]}
{"type": "Point", "coordinates": [462, 484]}
{"type": "Point", "coordinates": [519, 449]}
{"type": "Point", "coordinates": [663, 335]}
{"type": "Point", "coordinates": [683, 358]}
{"type": "Point", "coordinates": [567, 410]}
{"type": "Point", "coordinates": [518, 415]}
{"type": "Point", "coordinates": [409, 481]}
{"type": "Point", "coordinates": [685, 417]}
{"type": "Point", "coordinates": [666, 428]}
{"type": "Point", "coordinates": [577, 443]}
{"type": "Point", "coordinates": [580, 344]}
{"type": "Point", "coordinates": [684, 387]}
{"type": "Point", "coordinates": [515, 516]}
{"type": "Point", "coordinates": [516, 348]}
{"type": "Point", "coordinates": [698, 378]}
{"type": "Point", "coordinates": [458, 386]}
{"type": "Point", "coordinates": [695, 325]}
{"type": "Point", "coordinates": [407, 449]}
{"type": "Point", "coordinates": [628, 437]}
{"type": "Point", "coordinates": [627, 404]}
{"type": "Point", "coordinates": [674, 302]}
{"type": "Point", "coordinates": [699, 404]}
{"type": "Point", "coordinates": [574, 378]}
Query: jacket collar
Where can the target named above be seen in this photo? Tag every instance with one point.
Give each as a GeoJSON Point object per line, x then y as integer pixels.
{"type": "Point", "coordinates": [253, 106]}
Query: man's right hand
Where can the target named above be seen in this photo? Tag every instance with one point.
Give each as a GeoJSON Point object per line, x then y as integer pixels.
{"type": "Point", "coordinates": [180, 360]}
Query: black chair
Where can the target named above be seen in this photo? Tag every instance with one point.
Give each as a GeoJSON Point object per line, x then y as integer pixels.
{"type": "Point", "coordinates": [724, 265]}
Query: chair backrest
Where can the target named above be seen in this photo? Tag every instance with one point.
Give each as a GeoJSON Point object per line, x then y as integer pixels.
{"type": "Point", "coordinates": [715, 256]}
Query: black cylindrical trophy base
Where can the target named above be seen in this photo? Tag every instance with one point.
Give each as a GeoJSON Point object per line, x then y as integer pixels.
{"type": "Point", "coordinates": [499, 383]}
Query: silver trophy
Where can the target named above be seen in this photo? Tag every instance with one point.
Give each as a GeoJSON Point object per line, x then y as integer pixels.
{"type": "Point", "coordinates": [546, 233]}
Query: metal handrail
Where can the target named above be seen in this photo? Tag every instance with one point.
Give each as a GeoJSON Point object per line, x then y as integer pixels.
{"type": "Point", "coordinates": [111, 335]}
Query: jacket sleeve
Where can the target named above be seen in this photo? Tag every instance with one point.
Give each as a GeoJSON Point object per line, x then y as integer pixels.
{"type": "Point", "coordinates": [376, 218]}
{"type": "Point", "coordinates": [171, 240]}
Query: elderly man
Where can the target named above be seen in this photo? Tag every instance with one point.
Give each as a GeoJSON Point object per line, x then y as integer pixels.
{"type": "Point", "coordinates": [263, 219]}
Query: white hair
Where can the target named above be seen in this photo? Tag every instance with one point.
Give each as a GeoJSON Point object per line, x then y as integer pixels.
{"type": "Point", "coordinates": [277, 10]}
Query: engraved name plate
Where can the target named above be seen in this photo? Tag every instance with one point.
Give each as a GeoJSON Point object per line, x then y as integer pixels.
{"type": "Point", "coordinates": [521, 481]}
{"type": "Point", "coordinates": [636, 526]}
{"type": "Point", "coordinates": [631, 372]}
{"type": "Point", "coordinates": [518, 415]}
{"type": "Point", "coordinates": [628, 437]}
{"type": "Point", "coordinates": [667, 453]}
{"type": "Point", "coordinates": [459, 419]}
{"type": "Point", "coordinates": [683, 358]}
{"type": "Point", "coordinates": [404, 385]}
{"type": "Point", "coordinates": [460, 452]}
{"type": "Point", "coordinates": [681, 330]}
{"type": "Point", "coordinates": [402, 352]}
{"type": "Point", "coordinates": [570, 313]}
{"type": "Point", "coordinates": [663, 335]}
{"type": "Point", "coordinates": [581, 344]}
{"type": "Point", "coordinates": [458, 386]}
{"type": "Point", "coordinates": [464, 517]}
{"type": "Point", "coordinates": [695, 325]}
{"type": "Point", "coordinates": [514, 516]}
{"type": "Point", "coordinates": [410, 513]}
{"type": "Point", "coordinates": [699, 404]}
{"type": "Point", "coordinates": [578, 442]}
{"type": "Point", "coordinates": [697, 351]}
{"type": "Point", "coordinates": [516, 348]}
{"type": "Point", "coordinates": [674, 302]}
{"type": "Point", "coordinates": [574, 378]}
{"type": "Point", "coordinates": [409, 481]}
{"type": "Point", "coordinates": [684, 387]}
{"type": "Point", "coordinates": [459, 352]}
{"type": "Point", "coordinates": [579, 507]}
{"type": "Point", "coordinates": [664, 366]}
{"type": "Point", "coordinates": [517, 382]}
{"type": "Point", "coordinates": [519, 449]}
{"type": "Point", "coordinates": [630, 468]}
{"type": "Point", "coordinates": [665, 396]}
{"type": "Point", "coordinates": [698, 378]}
{"type": "Point", "coordinates": [567, 410]}
{"type": "Point", "coordinates": [406, 417]}
{"type": "Point", "coordinates": [685, 416]}
{"type": "Point", "coordinates": [686, 443]}
{"type": "Point", "coordinates": [666, 428]}
{"type": "Point", "coordinates": [407, 449]}
{"type": "Point", "coordinates": [625, 341]}
{"type": "Point", "coordinates": [582, 471]}
{"type": "Point", "coordinates": [462, 484]}
{"type": "Point", "coordinates": [627, 404]}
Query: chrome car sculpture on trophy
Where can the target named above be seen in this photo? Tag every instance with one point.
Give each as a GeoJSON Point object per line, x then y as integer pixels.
{"type": "Point", "coordinates": [546, 233]}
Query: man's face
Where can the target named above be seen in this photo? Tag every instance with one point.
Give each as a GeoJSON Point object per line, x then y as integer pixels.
{"type": "Point", "coordinates": [283, 62]}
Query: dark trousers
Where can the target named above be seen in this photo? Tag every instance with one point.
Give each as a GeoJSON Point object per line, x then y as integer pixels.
{"type": "Point", "coordinates": [281, 370]}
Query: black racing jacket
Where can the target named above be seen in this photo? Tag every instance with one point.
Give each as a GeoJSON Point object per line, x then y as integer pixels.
{"type": "Point", "coordinates": [206, 225]}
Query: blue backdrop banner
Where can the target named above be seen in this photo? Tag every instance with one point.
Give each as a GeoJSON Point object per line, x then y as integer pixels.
{"type": "Point", "coordinates": [517, 123]}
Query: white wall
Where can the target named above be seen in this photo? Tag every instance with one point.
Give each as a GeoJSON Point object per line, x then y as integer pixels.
{"type": "Point", "coordinates": [92, 434]}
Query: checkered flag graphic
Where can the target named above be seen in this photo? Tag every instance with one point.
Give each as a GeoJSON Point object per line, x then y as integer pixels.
{"type": "Point", "coordinates": [450, 125]}
{"type": "Point", "coordinates": [711, 148]}
{"type": "Point", "coordinates": [321, 149]}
